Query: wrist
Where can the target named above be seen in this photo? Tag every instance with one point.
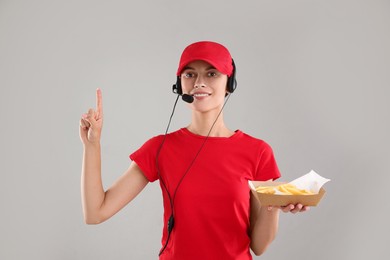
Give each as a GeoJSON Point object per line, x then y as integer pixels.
{"type": "Point", "coordinates": [91, 145]}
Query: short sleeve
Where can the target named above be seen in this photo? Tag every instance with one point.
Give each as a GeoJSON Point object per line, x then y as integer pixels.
{"type": "Point", "coordinates": [267, 168]}
{"type": "Point", "coordinates": [145, 157]}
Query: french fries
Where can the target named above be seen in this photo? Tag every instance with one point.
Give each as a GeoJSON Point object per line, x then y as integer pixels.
{"type": "Point", "coordinates": [285, 189]}
{"type": "Point", "coordinates": [266, 189]}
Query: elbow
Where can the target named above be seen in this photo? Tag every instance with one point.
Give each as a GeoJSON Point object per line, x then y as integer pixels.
{"type": "Point", "coordinates": [92, 221]}
{"type": "Point", "coordinates": [259, 248]}
{"type": "Point", "coordinates": [259, 251]}
{"type": "Point", "coordinates": [89, 220]}
{"type": "Point", "coordinates": [94, 216]}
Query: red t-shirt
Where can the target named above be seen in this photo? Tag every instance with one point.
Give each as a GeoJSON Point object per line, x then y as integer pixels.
{"type": "Point", "coordinates": [211, 206]}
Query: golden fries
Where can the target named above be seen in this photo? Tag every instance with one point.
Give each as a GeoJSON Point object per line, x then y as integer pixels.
{"type": "Point", "coordinates": [285, 189]}
{"type": "Point", "coordinates": [266, 190]}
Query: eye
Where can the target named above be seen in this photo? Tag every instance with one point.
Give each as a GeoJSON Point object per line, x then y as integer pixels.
{"type": "Point", "coordinates": [188, 75]}
{"type": "Point", "coordinates": [212, 74]}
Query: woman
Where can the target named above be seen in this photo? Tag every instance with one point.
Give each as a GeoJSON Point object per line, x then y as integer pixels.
{"type": "Point", "coordinates": [203, 170]}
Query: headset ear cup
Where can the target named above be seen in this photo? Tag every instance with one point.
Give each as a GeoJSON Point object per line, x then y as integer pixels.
{"type": "Point", "coordinates": [232, 82]}
{"type": "Point", "coordinates": [177, 87]}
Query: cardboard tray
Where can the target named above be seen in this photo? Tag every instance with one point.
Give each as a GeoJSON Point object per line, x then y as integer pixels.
{"type": "Point", "coordinates": [283, 200]}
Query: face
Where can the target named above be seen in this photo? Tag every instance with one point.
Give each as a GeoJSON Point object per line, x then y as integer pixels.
{"type": "Point", "coordinates": [206, 84]}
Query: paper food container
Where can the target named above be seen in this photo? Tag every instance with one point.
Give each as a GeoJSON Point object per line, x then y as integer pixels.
{"type": "Point", "coordinates": [283, 200]}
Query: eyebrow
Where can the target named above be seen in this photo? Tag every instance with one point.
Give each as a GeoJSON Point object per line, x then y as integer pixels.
{"type": "Point", "coordinates": [190, 68]}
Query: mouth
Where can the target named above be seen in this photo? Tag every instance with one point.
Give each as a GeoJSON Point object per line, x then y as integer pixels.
{"type": "Point", "coordinates": [201, 94]}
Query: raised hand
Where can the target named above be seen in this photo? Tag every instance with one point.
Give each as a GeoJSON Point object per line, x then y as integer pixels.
{"type": "Point", "coordinates": [91, 123]}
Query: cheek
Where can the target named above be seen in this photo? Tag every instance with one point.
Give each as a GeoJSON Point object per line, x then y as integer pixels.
{"type": "Point", "coordinates": [222, 87]}
{"type": "Point", "coordinates": [187, 84]}
{"type": "Point", "coordinates": [222, 95]}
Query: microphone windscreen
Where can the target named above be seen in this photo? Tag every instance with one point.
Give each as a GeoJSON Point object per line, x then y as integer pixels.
{"type": "Point", "coordinates": [187, 98]}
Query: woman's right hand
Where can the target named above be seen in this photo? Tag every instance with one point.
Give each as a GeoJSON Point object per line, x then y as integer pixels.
{"type": "Point", "coordinates": [91, 123]}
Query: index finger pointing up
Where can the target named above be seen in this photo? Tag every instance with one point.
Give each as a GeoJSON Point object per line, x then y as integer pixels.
{"type": "Point", "coordinates": [99, 103]}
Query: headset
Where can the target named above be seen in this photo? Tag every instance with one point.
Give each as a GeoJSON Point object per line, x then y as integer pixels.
{"type": "Point", "coordinates": [177, 89]}
{"type": "Point", "coordinates": [230, 86]}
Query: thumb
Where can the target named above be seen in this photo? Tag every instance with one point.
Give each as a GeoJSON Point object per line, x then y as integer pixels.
{"type": "Point", "coordinates": [90, 117]}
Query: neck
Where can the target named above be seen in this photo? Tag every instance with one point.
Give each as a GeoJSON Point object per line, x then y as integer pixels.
{"type": "Point", "coordinates": [202, 122]}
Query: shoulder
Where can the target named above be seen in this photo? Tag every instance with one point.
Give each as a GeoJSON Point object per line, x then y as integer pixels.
{"type": "Point", "coordinates": [247, 138]}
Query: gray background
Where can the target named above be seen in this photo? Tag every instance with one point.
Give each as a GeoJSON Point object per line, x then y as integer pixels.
{"type": "Point", "coordinates": [313, 82]}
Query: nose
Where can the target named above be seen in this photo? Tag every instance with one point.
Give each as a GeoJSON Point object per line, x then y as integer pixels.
{"type": "Point", "coordinates": [199, 82]}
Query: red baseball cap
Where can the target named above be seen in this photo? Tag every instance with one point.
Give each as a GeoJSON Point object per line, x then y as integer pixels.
{"type": "Point", "coordinates": [211, 52]}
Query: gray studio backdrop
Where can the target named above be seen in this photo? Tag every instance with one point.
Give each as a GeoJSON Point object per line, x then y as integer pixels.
{"type": "Point", "coordinates": [313, 81]}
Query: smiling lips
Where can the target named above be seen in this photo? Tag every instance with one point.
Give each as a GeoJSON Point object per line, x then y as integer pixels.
{"type": "Point", "coordinates": [199, 95]}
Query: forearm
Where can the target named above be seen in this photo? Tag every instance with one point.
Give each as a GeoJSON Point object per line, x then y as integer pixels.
{"type": "Point", "coordinates": [92, 191]}
{"type": "Point", "coordinates": [264, 226]}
